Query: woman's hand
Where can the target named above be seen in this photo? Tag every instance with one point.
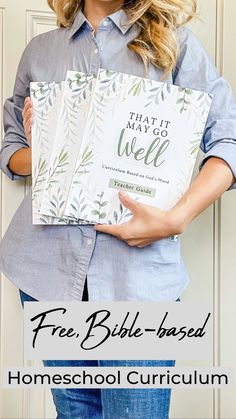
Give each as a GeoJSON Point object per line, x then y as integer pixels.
{"type": "Point", "coordinates": [27, 118]}
{"type": "Point", "coordinates": [20, 161]}
{"type": "Point", "coordinates": [147, 225]}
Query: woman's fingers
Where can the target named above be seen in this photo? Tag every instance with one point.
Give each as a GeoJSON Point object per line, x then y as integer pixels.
{"type": "Point", "coordinates": [25, 109]}
{"type": "Point", "coordinates": [114, 230]}
{"type": "Point", "coordinates": [27, 105]}
{"type": "Point", "coordinates": [27, 100]}
{"type": "Point", "coordinates": [27, 127]}
{"type": "Point", "coordinates": [27, 118]}
{"type": "Point", "coordinates": [28, 114]}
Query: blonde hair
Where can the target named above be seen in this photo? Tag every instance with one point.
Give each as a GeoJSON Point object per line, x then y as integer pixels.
{"type": "Point", "coordinates": [158, 20]}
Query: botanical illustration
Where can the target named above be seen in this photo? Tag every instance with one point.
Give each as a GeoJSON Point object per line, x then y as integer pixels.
{"type": "Point", "coordinates": [46, 98]}
{"type": "Point", "coordinates": [68, 139]}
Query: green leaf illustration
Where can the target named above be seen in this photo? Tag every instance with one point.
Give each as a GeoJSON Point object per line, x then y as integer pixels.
{"type": "Point", "coordinates": [185, 99]}
{"type": "Point", "coordinates": [100, 204]}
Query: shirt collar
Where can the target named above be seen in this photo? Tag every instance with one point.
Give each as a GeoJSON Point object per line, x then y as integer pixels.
{"type": "Point", "coordinates": [79, 20]}
{"type": "Point", "coordinates": [119, 18]}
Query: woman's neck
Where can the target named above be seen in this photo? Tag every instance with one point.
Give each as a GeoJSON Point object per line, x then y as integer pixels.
{"type": "Point", "coordinates": [96, 10]}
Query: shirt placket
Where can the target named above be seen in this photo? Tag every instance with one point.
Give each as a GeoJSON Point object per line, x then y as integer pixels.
{"type": "Point", "coordinates": [82, 259]}
{"type": "Point", "coordinates": [98, 40]}
{"type": "Point", "coordinates": [85, 251]}
{"type": "Point", "coordinates": [95, 54]}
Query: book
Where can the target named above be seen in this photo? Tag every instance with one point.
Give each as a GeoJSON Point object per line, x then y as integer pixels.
{"type": "Point", "coordinates": [59, 116]}
{"type": "Point", "coordinates": [71, 123]}
{"type": "Point", "coordinates": [46, 98]}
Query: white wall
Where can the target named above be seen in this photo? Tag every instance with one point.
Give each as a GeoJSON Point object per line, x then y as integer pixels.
{"type": "Point", "coordinates": [208, 244]}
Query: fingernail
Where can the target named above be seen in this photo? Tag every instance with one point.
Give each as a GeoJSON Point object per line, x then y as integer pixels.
{"type": "Point", "coordinates": [122, 193]}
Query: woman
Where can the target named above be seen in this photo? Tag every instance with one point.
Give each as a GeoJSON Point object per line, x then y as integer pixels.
{"type": "Point", "coordinates": [138, 260]}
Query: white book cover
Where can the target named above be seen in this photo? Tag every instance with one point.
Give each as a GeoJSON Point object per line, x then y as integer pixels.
{"type": "Point", "coordinates": [46, 98]}
{"type": "Point", "coordinates": [69, 131]}
{"type": "Point", "coordinates": [142, 137]}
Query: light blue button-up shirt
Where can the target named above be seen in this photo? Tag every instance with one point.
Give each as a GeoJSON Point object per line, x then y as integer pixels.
{"type": "Point", "coordinates": [51, 262]}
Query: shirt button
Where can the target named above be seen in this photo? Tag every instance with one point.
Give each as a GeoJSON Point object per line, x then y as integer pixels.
{"type": "Point", "coordinates": [105, 23]}
{"type": "Point", "coordinates": [96, 51]}
{"type": "Point", "coordinates": [89, 242]}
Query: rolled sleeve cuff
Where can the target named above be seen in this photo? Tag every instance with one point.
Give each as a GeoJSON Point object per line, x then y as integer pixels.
{"type": "Point", "coordinates": [5, 156]}
{"type": "Point", "coordinates": [228, 154]}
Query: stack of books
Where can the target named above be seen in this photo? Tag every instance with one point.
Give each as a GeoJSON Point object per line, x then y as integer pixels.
{"type": "Point", "coordinates": [93, 136]}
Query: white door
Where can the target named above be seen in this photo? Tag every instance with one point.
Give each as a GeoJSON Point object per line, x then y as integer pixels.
{"type": "Point", "coordinates": [208, 244]}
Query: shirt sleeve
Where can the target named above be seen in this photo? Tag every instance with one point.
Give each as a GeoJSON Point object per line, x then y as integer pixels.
{"type": "Point", "coordinates": [195, 69]}
{"type": "Point", "coordinates": [14, 137]}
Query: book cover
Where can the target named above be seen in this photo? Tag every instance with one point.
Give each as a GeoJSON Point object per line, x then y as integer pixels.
{"type": "Point", "coordinates": [142, 137]}
{"type": "Point", "coordinates": [73, 113]}
{"type": "Point", "coordinates": [46, 98]}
